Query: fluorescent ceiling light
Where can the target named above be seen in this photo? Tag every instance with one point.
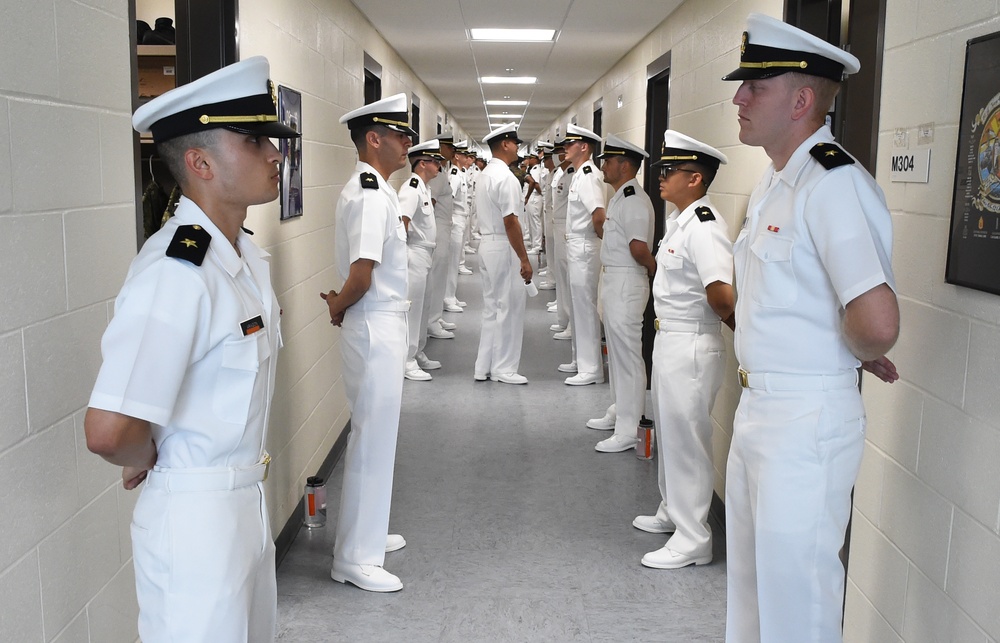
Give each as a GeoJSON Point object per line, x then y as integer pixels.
{"type": "Point", "coordinates": [508, 80]}
{"type": "Point", "coordinates": [514, 35]}
{"type": "Point", "coordinates": [503, 116]}
{"type": "Point", "coordinates": [508, 103]}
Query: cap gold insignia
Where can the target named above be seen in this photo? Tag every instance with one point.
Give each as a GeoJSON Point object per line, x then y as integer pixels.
{"type": "Point", "coordinates": [743, 44]}
{"type": "Point", "coordinates": [273, 91]}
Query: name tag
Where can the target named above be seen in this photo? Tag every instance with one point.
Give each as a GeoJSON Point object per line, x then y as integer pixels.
{"type": "Point", "coordinates": [252, 325]}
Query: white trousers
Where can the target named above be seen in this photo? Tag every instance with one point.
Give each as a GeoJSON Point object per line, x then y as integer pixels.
{"type": "Point", "coordinates": [792, 464]}
{"type": "Point", "coordinates": [558, 264]}
{"type": "Point", "coordinates": [584, 265]}
{"type": "Point", "coordinates": [434, 297]}
{"type": "Point", "coordinates": [534, 212]}
{"type": "Point", "coordinates": [418, 267]}
{"type": "Point", "coordinates": [204, 566]}
{"type": "Point", "coordinates": [459, 226]}
{"type": "Point", "coordinates": [373, 345]}
{"type": "Point", "coordinates": [687, 374]}
{"type": "Point", "coordinates": [503, 308]}
{"type": "Point", "coordinates": [623, 300]}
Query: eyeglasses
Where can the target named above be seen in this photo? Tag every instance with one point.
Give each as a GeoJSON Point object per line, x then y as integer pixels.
{"type": "Point", "coordinates": [665, 171]}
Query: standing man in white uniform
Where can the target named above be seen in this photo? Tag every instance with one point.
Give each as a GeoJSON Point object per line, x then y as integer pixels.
{"type": "Point", "coordinates": [535, 204]}
{"type": "Point", "coordinates": [504, 262]}
{"type": "Point", "coordinates": [561, 177]}
{"type": "Point", "coordinates": [371, 308]}
{"type": "Point", "coordinates": [627, 266]}
{"type": "Point", "coordinates": [545, 149]}
{"type": "Point", "coordinates": [692, 297]}
{"type": "Point", "coordinates": [459, 224]}
{"type": "Point", "coordinates": [816, 300]}
{"type": "Point", "coordinates": [584, 228]}
{"type": "Point", "coordinates": [417, 208]}
{"type": "Point", "coordinates": [444, 202]}
{"type": "Point", "coordinates": [183, 396]}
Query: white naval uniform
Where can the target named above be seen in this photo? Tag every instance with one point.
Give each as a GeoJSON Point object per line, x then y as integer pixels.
{"type": "Point", "coordinates": [624, 294]}
{"type": "Point", "coordinates": [814, 240]}
{"type": "Point", "coordinates": [498, 195]}
{"type": "Point", "coordinates": [557, 259]}
{"type": "Point", "coordinates": [415, 204]}
{"type": "Point", "coordinates": [689, 359]}
{"type": "Point", "coordinates": [583, 252]}
{"type": "Point", "coordinates": [373, 344]}
{"type": "Point", "coordinates": [444, 200]}
{"type": "Point", "coordinates": [459, 224]}
{"type": "Point", "coordinates": [182, 353]}
{"type": "Point", "coordinates": [535, 205]}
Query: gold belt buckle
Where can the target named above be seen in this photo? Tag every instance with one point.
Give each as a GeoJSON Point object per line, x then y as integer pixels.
{"type": "Point", "coordinates": [744, 378]}
{"type": "Point", "coordinates": [656, 324]}
{"type": "Point", "coordinates": [267, 464]}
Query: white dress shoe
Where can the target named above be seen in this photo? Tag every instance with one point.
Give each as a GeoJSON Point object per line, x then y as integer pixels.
{"type": "Point", "coordinates": [417, 375]}
{"type": "Point", "coordinates": [462, 270]}
{"type": "Point", "coordinates": [452, 308]}
{"type": "Point", "coordinates": [369, 577]}
{"type": "Point", "coordinates": [480, 377]}
{"type": "Point", "coordinates": [558, 328]}
{"type": "Point", "coordinates": [394, 542]}
{"type": "Point", "coordinates": [664, 558]}
{"type": "Point", "coordinates": [546, 285]}
{"type": "Point", "coordinates": [447, 325]}
{"type": "Point", "coordinates": [512, 378]}
{"type": "Point", "coordinates": [606, 423]}
{"type": "Point", "coordinates": [568, 368]}
{"type": "Point", "coordinates": [583, 379]}
{"type": "Point", "coordinates": [427, 363]}
{"type": "Point", "coordinates": [440, 333]}
{"type": "Point", "coordinates": [654, 525]}
{"type": "Point", "coordinates": [616, 444]}
{"type": "Point", "coordinates": [461, 303]}
{"type": "Point", "coordinates": [566, 334]}
{"type": "Point", "coordinates": [469, 249]}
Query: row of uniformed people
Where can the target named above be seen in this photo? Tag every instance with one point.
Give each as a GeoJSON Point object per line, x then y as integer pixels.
{"type": "Point", "coordinates": [813, 257]}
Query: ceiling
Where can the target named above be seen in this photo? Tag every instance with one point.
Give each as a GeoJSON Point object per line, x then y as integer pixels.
{"type": "Point", "coordinates": [432, 36]}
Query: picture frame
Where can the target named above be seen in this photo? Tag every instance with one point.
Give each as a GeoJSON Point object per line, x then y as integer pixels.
{"type": "Point", "coordinates": [290, 113]}
{"type": "Point", "coordinates": [974, 239]}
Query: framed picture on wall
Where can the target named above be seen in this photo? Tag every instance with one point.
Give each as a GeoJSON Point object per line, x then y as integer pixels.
{"type": "Point", "coordinates": [290, 113]}
{"type": "Point", "coordinates": [974, 242]}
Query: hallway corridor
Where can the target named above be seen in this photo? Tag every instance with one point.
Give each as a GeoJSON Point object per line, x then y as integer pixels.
{"type": "Point", "coordinates": [516, 529]}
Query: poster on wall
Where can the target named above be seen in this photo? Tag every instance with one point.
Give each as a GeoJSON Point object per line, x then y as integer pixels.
{"type": "Point", "coordinates": [290, 113]}
{"type": "Point", "coordinates": [974, 242]}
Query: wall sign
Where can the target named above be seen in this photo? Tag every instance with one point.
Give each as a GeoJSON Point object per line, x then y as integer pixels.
{"type": "Point", "coordinates": [910, 166]}
{"type": "Point", "coordinates": [974, 243]}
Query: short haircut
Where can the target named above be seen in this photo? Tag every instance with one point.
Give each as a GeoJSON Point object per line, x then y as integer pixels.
{"type": "Point", "coordinates": [358, 134]}
{"type": "Point", "coordinates": [172, 151]}
{"type": "Point", "coordinates": [707, 173]}
{"type": "Point", "coordinates": [825, 89]}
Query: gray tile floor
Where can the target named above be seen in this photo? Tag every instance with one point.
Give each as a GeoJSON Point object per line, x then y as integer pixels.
{"type": "Point", "coordinates": [516, 529]}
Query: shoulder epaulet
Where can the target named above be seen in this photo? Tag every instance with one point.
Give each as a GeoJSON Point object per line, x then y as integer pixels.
{"type": "Point", "coordinates": [190, 243]}
{"type": "Point", "coordinates": [571, 170]}
{"type": "Point", "coordinates": [247, 230]}
{"type": "Point", "coordinates": [629, 190]}
{"type": "Point", "coordinates": [587, 169]}
{"type": "Point", "coordinates": [414, 182]}
{"type": "Point", "coordinates": [830, 155]}
{"type": "Point", "coordinates": [454, 170]}
{"type": "Point", "coordinates": [704, 213]}
{"type": "Point", "coordinates": [369, 181]}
